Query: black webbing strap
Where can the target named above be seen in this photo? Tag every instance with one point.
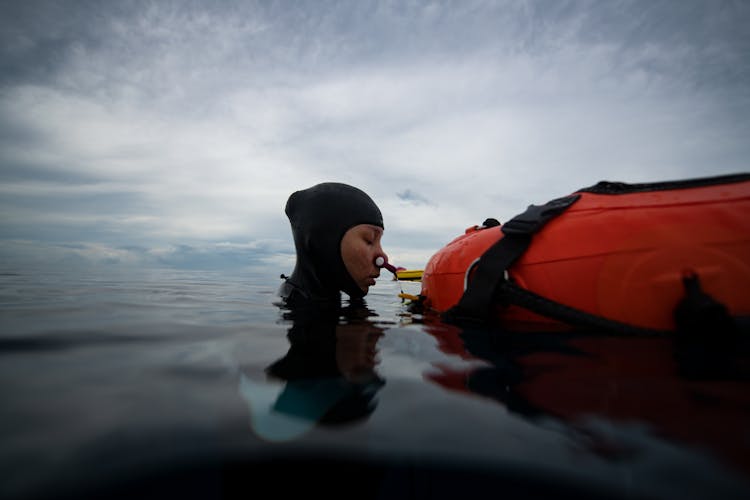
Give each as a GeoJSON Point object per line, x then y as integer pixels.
{"type": "Point", "coordinates": [476, 301]}
{"type": "Point", "coordinates": [510, 293]}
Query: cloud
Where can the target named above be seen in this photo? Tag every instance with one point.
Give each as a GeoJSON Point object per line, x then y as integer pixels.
{"type": "Point", "coordinates": [411, 197]}
{"type": "Point", "coordinates": [261, 257]}
{"type": "Point", "coordinates": [182, 125]}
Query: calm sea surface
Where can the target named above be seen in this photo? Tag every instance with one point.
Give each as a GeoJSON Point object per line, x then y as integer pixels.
{"type": "Point", "coordinates": [196, 385]}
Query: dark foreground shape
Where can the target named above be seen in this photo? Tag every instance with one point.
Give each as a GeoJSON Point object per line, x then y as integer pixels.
{"type": "Point", "coordinates": [337, 478]}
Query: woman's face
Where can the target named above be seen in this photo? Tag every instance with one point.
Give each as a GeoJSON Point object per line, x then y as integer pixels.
{"type": "Point", "coordinates": [359, 248]}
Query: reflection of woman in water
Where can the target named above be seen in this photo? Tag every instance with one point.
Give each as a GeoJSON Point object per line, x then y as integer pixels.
{"type": "Point", "coordinates": [330, 367]}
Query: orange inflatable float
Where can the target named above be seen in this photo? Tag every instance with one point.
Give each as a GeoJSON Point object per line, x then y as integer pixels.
{"type": "Point", "coordinates": [613, 256]}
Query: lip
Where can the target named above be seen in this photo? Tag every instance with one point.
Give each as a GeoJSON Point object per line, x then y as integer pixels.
{"type": "Point", "coordinates": [370, 281]}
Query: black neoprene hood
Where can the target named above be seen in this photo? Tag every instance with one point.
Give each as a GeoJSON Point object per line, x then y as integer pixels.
{"type": "Point", "coordinates": [320, 216]}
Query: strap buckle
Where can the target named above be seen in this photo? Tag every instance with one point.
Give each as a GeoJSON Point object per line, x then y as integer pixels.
{"type": "Point", "coordinates": [537, 216]}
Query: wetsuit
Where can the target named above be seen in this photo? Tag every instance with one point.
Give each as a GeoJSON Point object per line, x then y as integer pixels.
{"type": "Point", "coordinates": [320, 216]}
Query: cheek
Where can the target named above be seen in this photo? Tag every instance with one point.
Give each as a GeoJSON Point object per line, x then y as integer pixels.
{"type": "Point", "coordinates": [365, 260]}
{"type": "Point", "coordinates": [365, 257]}
{"type": "Point", "coordinates": [357, 258]}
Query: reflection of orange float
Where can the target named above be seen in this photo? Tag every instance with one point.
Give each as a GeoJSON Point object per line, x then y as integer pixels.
{"type": "Point", "coordinates": [586, 378]}
{"type": "Point", "coordinates": [613, 253]}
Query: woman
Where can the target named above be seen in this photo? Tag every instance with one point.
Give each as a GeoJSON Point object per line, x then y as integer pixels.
{"type": "Point", "coordinates": [337, 230]}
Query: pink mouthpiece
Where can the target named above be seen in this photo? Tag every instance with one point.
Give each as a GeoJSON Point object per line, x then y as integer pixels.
{"type": "Point", "coordinates": [381, 262]}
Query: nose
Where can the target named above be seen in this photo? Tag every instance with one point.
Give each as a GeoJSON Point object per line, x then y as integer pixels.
{"type": "Point", "coordinates": [379, 252]}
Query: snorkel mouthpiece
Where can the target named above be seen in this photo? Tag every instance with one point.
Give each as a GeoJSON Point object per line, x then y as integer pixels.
{"type": "Point", "coordinates": [381, 261]}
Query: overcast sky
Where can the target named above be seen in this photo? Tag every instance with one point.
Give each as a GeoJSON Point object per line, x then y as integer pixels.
{"type": "Point", "coordinates": [172, 133]}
